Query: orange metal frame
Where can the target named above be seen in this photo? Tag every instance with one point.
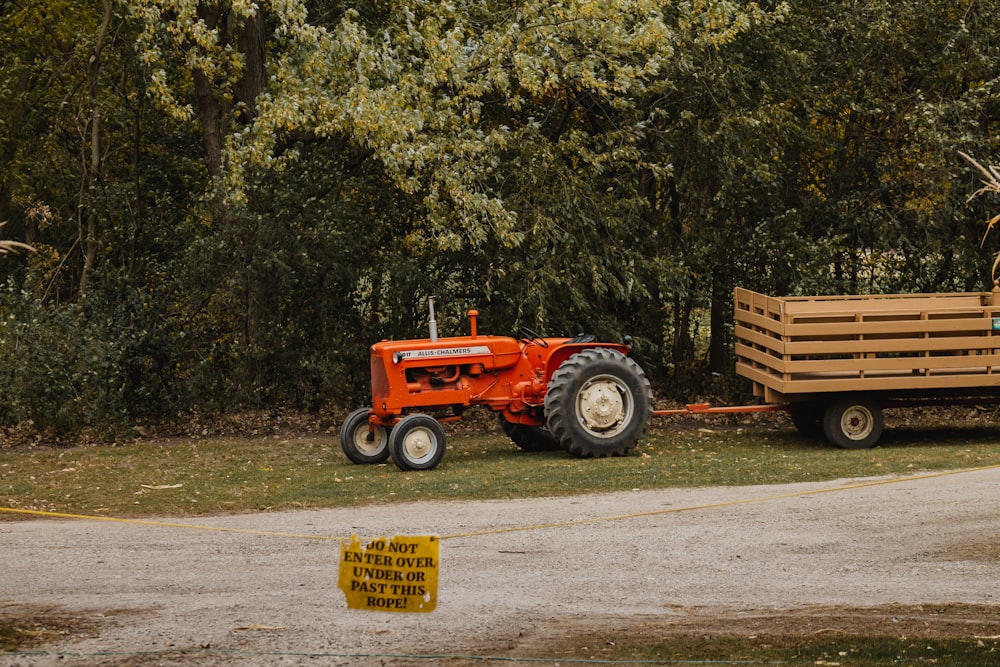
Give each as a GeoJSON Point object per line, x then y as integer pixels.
{"type": "Point", "coordinates": [707, 409]}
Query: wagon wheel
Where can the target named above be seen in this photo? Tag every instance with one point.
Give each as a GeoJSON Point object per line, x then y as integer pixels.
{"type": "Point", "coordinates": [808, 419]}
{"type": "Point", "coordinates": [853, 423]}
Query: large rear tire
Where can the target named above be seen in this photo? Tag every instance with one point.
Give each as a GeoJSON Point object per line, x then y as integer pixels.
{"type": "Point", "coordinates": [361, 443]}
{"type": "Point", "coordinates": [599, 403]}
{"type": "Point", "coordinates": [416, 442]}
{"type": "Point", "coordinates": [853, 423]}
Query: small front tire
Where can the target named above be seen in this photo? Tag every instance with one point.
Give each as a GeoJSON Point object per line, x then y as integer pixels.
{"type": "Point", "coordinates": [417, 442]}
{"type": "Point", "coordinates": [363, 443]}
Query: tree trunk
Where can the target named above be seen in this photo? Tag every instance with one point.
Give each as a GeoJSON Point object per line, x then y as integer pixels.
{"type": "Point", "coordinates": [682, 346]}
{"type": "Point", "coordinates": [253, 79]}
{"type": "Point", "coordinates": [721, 305]}
{"type": "Point", "coordinates": [210, 117]}
{"type": "Point", "coordinates": [213, 110]}
{"type": "Point", "coordinates": [210, 108]}
{"type": "Point", "coordinates": [92, 173]}
{"type": "Point", "coordinates": [718, 322]}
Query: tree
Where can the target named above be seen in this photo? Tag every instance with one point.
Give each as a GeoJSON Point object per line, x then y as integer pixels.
{"type": "Point", "coordinates": [50, 148]}
{"type": "Point", "coordinates": [231, 199]}
{"type": "Point", "coordinates": [207, 61]}
{"type": "Point", "coordinates": [511, 130]}
{"type": "Point", "coordinates": [877, 166]}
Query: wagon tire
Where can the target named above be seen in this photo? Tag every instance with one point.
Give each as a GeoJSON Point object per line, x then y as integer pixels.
{"type": "Point", "coordinates": [853, 423]}
{"type": "Point", "coordinates": [808, 420]}
{"type": "Point", "coordinates": [362, 444]}
{"type": "Point", "coordinates": [417, 442]}
{"type": "Point", "coordinates": [599, 403]}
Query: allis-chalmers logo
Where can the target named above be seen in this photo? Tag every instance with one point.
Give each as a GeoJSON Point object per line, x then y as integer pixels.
{"type": "Point", "coordinates": [434, 353]}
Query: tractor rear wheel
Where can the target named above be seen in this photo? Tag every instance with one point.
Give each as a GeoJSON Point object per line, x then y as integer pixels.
{"type": "Point", "coordinates": [416, 442]}
{"type": "Point", "coordinates": [598, 403]}
{"type": "Point", "coordinates": [361, 443]}
{"type": "Point", "coordinates": [529, 438]}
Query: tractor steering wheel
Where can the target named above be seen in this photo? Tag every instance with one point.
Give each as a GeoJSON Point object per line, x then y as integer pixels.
{"type": "Point", "coordinates": [529, 336]}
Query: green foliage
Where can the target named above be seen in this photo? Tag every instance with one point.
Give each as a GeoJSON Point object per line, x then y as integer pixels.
{"type": "Point", "coordinates": [232, 199]}
{"type": "Point", "coordinates": [53, 372]}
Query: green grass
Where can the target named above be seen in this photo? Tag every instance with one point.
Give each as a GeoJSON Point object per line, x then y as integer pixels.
{"type": "Point", "coordinates": [208, 476]}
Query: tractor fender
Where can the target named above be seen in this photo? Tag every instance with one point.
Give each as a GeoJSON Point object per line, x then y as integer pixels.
{"type": "Point", "coordinates": [567, 350]}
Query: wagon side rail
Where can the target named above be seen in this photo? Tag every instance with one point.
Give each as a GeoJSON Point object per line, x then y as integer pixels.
{"type": "Point", "coordinates": [790, 346]}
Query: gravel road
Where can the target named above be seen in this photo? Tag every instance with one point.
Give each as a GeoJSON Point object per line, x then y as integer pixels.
{"type": "Point", "coordinates": [525, 578]}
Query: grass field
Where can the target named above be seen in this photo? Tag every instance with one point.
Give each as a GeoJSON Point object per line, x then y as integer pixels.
{"type": "Point", "coordinates": [190, 477]}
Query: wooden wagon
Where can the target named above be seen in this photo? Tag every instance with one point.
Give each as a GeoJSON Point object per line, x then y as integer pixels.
{"type": "Point", "coordinates": [838, 360]}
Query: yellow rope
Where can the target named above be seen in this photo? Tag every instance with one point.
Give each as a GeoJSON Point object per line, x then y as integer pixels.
{"type": "Point", "coordinates": [509, 529]}
{"type": "Point", "coordinates": [164, 524]}
{"type": "Point", "coordinates": [727, 503]}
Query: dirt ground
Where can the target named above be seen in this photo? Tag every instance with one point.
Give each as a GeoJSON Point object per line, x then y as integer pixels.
{"type": "Point", "coordinates": [529, 579]}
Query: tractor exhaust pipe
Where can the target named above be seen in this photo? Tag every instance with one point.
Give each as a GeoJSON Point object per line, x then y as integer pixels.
{"type": "Point", "coordinates": [433, 322]}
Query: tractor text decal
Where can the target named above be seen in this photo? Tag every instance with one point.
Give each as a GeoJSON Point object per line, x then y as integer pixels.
{"type": "Point", "coordinates": [442, 352]}
{"type": "Point", "coordinates": [398, 575]}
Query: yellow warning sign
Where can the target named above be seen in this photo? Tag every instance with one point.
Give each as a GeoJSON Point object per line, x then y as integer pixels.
{"type": "Point", "coordinates": [398, 574]}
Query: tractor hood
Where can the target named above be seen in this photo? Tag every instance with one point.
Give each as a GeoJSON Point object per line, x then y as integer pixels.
{"type": "Point", "coordinates": [491, 351]}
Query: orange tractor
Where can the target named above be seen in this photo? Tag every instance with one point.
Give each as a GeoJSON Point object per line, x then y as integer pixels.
{"type": "Point", "coordinates": [585, 397]}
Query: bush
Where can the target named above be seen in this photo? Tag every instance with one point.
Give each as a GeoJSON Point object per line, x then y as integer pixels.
{"type": "Point", "coordinates": [56, 370]}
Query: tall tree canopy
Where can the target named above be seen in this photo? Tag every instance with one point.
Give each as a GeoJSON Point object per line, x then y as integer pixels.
{"type": "Point", "coordinates": [231, 199]}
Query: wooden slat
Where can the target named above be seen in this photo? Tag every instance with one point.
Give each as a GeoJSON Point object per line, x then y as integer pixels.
{"type": "Point", "coordinates": [751, 337]}
{"type": "Point", "coordinates": [760, 377]}
{"type": "Point", "coordinates": [752, 301]}
{"type": "Point", "coordinates": [760, 358]}
{"type": "Point", "coordinates": [894, 302]}
{"type": "Point", "coordinates": [821, 385]}
{"type": "Point", "coordinates": [891, 345]}
{"type": "Point", "coordinates": [905, 364]}
{"type": "Point", "coordinates": [898, 364]}
{"type": "Point", "coordinates": [853, 384]}
{"type": "Point", "coordinates": [908, 326]}
{"type": "Point", "coordinates": [839, 298]}
{"type": "Point", "coordinates": [753, 320]}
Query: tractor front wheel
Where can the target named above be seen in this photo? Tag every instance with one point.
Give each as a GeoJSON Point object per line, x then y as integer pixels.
{"type": "Point", "coordinates": [363, 443]}
{"type": "Point", "coordinates": [416, 442]}
{"type": "Point", "coordinates": [598, 403]}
